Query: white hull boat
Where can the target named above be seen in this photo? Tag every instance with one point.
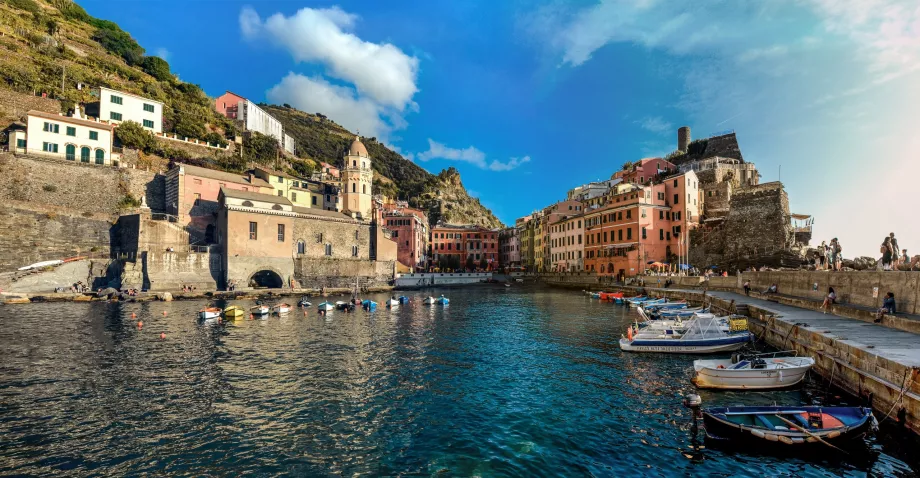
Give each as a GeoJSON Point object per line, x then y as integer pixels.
{"type": "Point", "coordinates": [281, 309]}
{"type": "Point", "coordinates": [751, 373]}
{"type": "Point", "coordinates": [326, 307]}
{"type": "Point", "coordinates": [429, 301]}
{"type": "Point", "coordinates": [259, 310]}
{"type": "Point", "coordinates": [392, 303]}
{"type": "Point", "coordinates": [209, 313]}
{"type": "Point", "coordinates": [701, 336]}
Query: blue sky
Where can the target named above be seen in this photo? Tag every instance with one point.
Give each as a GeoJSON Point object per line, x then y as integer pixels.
{"type": "Point", "coordinates": [528, 99]}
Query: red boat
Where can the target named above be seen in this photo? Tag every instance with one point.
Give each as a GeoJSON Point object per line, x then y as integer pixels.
{"type": "Point", "coordinates": [611, 295]}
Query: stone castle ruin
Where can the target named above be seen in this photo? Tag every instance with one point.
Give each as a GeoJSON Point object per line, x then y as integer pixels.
{"type": "Point", "coordinates": [743, 223]}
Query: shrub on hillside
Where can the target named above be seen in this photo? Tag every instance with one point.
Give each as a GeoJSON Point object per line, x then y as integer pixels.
{"type": "Point", "coordinates": [189, 127]}
{"type": "Point", "coordinates": [260, 148]}
{"type": "Point", "coordinates": [215, 139]}
{"type": "Point", "coordinates": [132, 135]}
{"type": "Point", "coordinates": [157, 68]}
{"type": "Point", "coordinates": [118, 41]}
{"type": "Point", "coordinates": [27, 5]}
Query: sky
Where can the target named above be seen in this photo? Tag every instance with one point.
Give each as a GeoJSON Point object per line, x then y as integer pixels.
{"type": "Point", "coordinates": [529, 99]}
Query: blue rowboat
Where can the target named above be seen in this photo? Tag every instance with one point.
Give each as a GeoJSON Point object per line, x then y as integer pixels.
{"type": "Point", "coordinates": [786, 425]}
{"type": "Point", "coordinates": [369, 305]}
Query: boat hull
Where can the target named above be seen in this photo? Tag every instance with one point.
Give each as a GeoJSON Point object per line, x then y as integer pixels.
{"type": "Point", "coordinates": [233, 312]}
{"type": "Point", "coordinates": [208, 314]}
{"type": "Point", "coordinates": [259, 310]}
{"type": "Point", "coordinates": [676, 346]}
{"type": "Point", "coordinates": [750, 379]}
{"type": "Point", "coordinates": [326, 307]}
{"type": "Point", "coordinates": [718, 426]}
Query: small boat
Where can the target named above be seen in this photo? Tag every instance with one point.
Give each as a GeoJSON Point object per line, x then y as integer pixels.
{"type": "Point", "coordinates": [281, 309]}
{"type": "Point", "coordinates": [403, 299]}
{"type": "Point", "coordinates": [233, 312]}
{"type": "Point", "coordinates": [341, 305]}
{"type": "Point", "coordinates": [610, 295]}
{"type": "Point", "coordinates": [443, 300]}
{"type": "Point", "coordinates": [209, 313]}
{"type": "Point", "coordinates": [259, 309]}
{"type": "Point", "coordinates": [751, 372]}
{"type": "Point", "coordinates": [702, 335]}
{"type": "Point", "coordinates": [392, 303]}
{"type": "Point", "coordinates": [304, 302]}
{"type": "Point", "coordinates": [507, 285]}
{"type": "Point", "coordinates": [429, 301]}
{"type": "Point", "coordinates": [326, 307]}
{"type": "Point", "coordinates": [518, 280]}
{"type": "Point", "coordinates": [819, 426]}
{"type": "Point", "coordinates": [39, 265]}
{"type": "Point", "coordinates": [595, 295]}
{"type": "Point", "coordinates": [369, 305]}
{"type": "Point", "coordinates": [636, 300]}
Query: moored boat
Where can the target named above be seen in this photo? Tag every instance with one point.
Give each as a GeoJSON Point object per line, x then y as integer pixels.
{"type": "Point", "coordinates": [787, 425]}
{"type": "Point", "coordinates": [610, 295]}
{"type": "Point", "coordinates": [403, 299]}
{"type": "Point", "coordinates": [369, 305]}
{"type": "Point", "coordinates": [341, 305]}
{"type": "Point", "coordinates": [443, 300]}
{"type": "Point", "coordinates": [233, 312]}
{"type": "Point", "coordinates": [751, 372]}
{"type": "Point", "coordinates": [259, 309]}
{"type": "Point", "coordinates": [392, 302]}
{"type": "Point", "coordinates": [325, 307]}
{"type": "Point", "coordinates": [429, 301]}
{"type": "Point", "coordinates": [209, 313]}
{"type": "Point", "coordinates": [702, 335]}
{"type": "Point", "coordinates": [304, 302]}
{"type": "Point", "coordinates": [281, 309]}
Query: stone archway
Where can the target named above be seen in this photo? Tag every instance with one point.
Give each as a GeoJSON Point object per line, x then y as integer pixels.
{"type": "Point", "coordinates": [266, 279]}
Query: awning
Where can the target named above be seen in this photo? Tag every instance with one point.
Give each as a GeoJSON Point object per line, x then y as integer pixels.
{"type": "Point", "coordinates": [620, 246]}
{"type": "Point", "coordinates": [800, 216]}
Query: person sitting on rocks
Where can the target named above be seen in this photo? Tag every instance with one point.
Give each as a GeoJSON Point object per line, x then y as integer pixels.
{"type": "Point", "coordinates": [773, 289]}
{"type": "Point", "coordinates": [888, 307]}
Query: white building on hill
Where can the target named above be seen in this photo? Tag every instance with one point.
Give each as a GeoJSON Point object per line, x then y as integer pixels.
{"type": "Point", "coordinates": [256, 119]}
{"type": "Point", "coordinates": [73, 138]}
{"type": "Point", "coordinates": [117, 106]}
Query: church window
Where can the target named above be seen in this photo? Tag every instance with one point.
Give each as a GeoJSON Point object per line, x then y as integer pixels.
{"type": "Point", "coordinates": [354, 251]}
{"type": "Point", "coordinates": [364, 188]}
{"type": "Point", "coordinates": [354, 187]}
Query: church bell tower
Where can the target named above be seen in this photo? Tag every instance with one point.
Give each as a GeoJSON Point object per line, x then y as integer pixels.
{"type": "Point", "coordinates": [357, 180]}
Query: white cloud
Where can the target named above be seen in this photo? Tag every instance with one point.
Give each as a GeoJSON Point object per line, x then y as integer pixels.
{"type": "Point", "coordinates": [340, 103]}
{"type": "Point", "coordinates": [760, 53]}
{"type": "Point", "coordinates": [380, 71]}
{"type": "Point", "coordinates": [512, 163]}
{"type": "Point", "coordinates": [437, 150]}
{"type": "Point", "coordinates": [162, 53]}
{"type": "Point", "coordinates": [470, 155]}
{"type": "Point", "coordinates": [655, 124]}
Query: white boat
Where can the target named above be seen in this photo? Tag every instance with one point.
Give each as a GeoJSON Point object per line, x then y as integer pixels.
{"type": "Point", "coordinates": [392, 303]}
{"type": "Point", "coordinates": [325, 307]}
{"type": "Point", "coordinates": [259, 309]}
{"type": "Point", "coordinates": [703, 335]}
{"type": "Point", "coordinates": [518, 280]}
{"type": "Point", "coordinates": [209, 313]}
{"type": "Point", "coordinates": [281, 309]}
{"type": "Point", "coordinates": [429, 301]}
{"type": "Point", "coordinates": [38, 265]}
{"type": "Point", "coordinates": [753, 372]}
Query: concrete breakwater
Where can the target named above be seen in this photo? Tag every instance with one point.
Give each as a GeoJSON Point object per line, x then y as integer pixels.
{"type": "Point", "coordinates": [25, 298]}
{"type": "Point", "coordinates": [873, 362]}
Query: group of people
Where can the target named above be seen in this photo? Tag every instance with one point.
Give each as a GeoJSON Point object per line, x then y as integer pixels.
{"type": "Point", "coordinates": [188, 288]}
{"type": "Point", "coordinates": [888, 304]}
{"type": "Point", "coordinates": [829, 256]}
{"type": "Point", "coordinates": [892, 257]}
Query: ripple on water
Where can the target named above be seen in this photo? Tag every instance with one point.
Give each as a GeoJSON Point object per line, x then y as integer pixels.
{"type": "Point", "coordinates": [519, 382]}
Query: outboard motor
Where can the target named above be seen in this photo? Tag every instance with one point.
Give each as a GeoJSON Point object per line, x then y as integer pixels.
{"type": "Point", "coordinates": [736, 358]}
{"type": "Point", "coordinates": [758, 363]}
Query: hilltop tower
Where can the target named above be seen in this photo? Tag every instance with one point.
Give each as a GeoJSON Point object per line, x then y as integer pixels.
{"type": "Point", "coordinates": [357, 181]}
{"type": "Point", "coordinates": [683, 138]}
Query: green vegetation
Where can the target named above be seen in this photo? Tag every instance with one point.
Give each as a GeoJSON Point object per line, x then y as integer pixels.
{"type": "Point", "coordinates": [118, 42]}
{"type": "Point", "coordinates": [49, 188]}
{"type": "Point", "coordinates": [157, 68]}
{"type": "Point", "coordinates": [128, 201]}
{"type": "Point", "coordinates": [27, 5]}
{"type": "Point", "coordinates": [261, 149]}
{"type": "Point", "coordinates": [131, 134]}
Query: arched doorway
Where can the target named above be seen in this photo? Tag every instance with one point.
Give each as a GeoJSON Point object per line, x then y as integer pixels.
{"type": "Point", "coordinates": [84, 154]}
{"type": "Point", "coordinates": [266, 279]}
{"type": "Point", "coordinates": [71, 152]}
{"type": "Point", "coordinates": [100, 156]}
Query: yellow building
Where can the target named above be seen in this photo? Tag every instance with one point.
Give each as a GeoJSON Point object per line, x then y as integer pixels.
{"type": "Point", "coordinates": [538, 244]}
{"type": "Point", "coordinates": [300, 192]}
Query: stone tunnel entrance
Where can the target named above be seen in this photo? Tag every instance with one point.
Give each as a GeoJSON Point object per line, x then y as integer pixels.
{"type": "Point", "coordinates": [266, 279]}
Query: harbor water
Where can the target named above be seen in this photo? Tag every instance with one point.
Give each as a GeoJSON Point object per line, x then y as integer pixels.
{"type": "Point", "coordinates": [519, 381]}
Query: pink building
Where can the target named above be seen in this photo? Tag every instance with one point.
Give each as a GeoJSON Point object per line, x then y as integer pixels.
{"type": "Point", "coordinates": [643, 171]}
{"type": "Point", "coordinates": [410, 232]}
{"type": "Point", "coordinates": [191, 195]}
{"type": "Point", "coordinates": [226, 104]}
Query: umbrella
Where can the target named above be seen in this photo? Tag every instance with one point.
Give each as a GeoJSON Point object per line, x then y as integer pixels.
{"type": "Point", "coordinates": [684, 266]}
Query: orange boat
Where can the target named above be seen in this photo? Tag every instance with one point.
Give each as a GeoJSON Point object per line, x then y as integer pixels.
{"type": "Point", "coordinates": [611, 295]}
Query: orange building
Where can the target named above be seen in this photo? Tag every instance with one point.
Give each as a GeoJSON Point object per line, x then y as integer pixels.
{"type": "Point", "coordinates": [641, 224]}
{"type": "Point", "coordinates": [645, 170]}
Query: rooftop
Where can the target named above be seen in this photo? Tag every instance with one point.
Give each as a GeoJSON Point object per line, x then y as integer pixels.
{"type": "Point", "coordinates": [322, 212]}
{"type": "Point", "coordinates": [100, 88]}
{"type": "Point", "coordinates": [254, 196]}
{"type": "Point", "coordinates": [71, 120]}
{"type": "Point", "coordinates": [223, 176]}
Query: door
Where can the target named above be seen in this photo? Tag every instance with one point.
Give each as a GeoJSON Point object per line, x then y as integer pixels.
{"type": "Point", "coordinates": [100, 156]}
{"type": "Point", "coordinates": [84, 154]}
{"type": "Point", "coordinates": [71, 151]}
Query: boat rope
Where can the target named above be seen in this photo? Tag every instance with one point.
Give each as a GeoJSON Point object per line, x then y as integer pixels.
{"type": "Point", "coordinates": [831, 383]}
{"type": "Point", "coordinates": [904, 387]}
{"type": "Point", "coordinates": [789, 333]}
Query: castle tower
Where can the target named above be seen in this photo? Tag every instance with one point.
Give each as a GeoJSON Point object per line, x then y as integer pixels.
{"type": "Point", "coordinates": [357, 180]}
{"type": "Point", "coordinates": [683, 138]}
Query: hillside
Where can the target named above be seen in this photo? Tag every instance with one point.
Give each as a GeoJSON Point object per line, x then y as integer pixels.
{"type": "Point", "coordinates": [320, 139]}
{"type": "Point", "coordinates": [53, 48]}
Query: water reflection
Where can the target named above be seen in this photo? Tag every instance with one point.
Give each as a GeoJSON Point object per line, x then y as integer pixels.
{"type": "Point", "coordinates": [518, 381]}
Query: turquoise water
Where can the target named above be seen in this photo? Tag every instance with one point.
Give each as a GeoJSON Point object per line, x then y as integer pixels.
{"type": "Point", "coordinates": [502, 382]}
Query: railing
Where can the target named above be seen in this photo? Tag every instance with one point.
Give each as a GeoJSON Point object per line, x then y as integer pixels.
{"type": "Point", "coordinates": [158, 216]}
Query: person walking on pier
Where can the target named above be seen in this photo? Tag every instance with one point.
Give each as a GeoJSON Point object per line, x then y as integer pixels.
{"type": "Point", "coordinates": [895, 258]}
{"type": "Point", "coordinates": [747, 287]}
{"type": "Point", "coordinates": [886, 254]}
{"type": "Point", "coordinates": [821, 260]}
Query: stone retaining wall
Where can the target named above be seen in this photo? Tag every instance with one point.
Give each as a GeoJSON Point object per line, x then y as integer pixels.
{"type": "Point", "coordinates": [32, 233]}
{"type": "Point", "coordinates": [317, 273]}
{"type": "Point", "coordinates": [16, 104]}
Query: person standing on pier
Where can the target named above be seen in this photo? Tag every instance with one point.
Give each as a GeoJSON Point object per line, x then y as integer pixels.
{"type": "Point", "coordinates": [895, 258]}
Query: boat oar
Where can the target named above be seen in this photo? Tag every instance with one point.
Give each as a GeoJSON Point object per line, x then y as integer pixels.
{"type": "Point", "coordinates": [816, 437]}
